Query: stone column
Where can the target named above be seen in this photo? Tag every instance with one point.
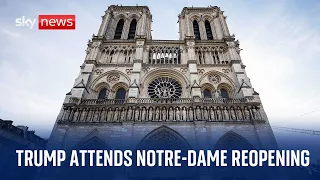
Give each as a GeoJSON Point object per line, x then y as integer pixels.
{"type": "Point", "coordinates": [202, 28]}
{"type": "Point", "coordinates": [213, 29]}
{"type": "Point", "coordinates": [181, 35]}
{"type": "Point", "coordinates": [80, 85]}
{"type": "Point", "coordinates": [143, 24]}
{"type": "Point", "coordinates": [243, 82]}
{"type": "Point", "coordinates": [222, 19]}
{"type": "Point", "coordinates": [193, 68]}
{"type": "Point", "coordinates": [137, 67]}
{"type": "Point", "coordinates": [105, 22]}
{"type": "Point", "coordinates": [218, 28]}
{"type": "Point", "coordinates": [189, 32]}
{"type": "Point", "coordinates": [125, 29]}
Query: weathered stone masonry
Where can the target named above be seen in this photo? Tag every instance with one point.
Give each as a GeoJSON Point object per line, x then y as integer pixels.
{"type": "Point", "coordinates": [131, 85]}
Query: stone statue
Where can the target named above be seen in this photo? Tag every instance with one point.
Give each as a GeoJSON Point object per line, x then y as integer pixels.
{"type": "Point", "coordinates": [83, 115]}
{"type": "Point", "coordinates": [129, 114]}
{"type": "Point", "coordinates": [75, 115]}
{"type": "Point", "coordinates": [88, 51]}
{"type": "Point", "coordinates": [212, 116]}
{"type": "Point", "coordinates": [143, 114]}
{"type": "Point", "coordinates": [216, 94]}
{"type": "Point", "coordinates": [205, 113]}
{"type": "Point", "coordinates": [71, 116]}
{"type": "Point", "coordinates": [90, 114]}
{"type": "Point", "coordinates": [164, 113]}
{"type": "Point", "coordinates": [97, 115]}
{"type": "Point", "coordinates": [177, 114]}
{"type": "Point", "coordinates": [157, 115]}
{"type": "Point", "coordinates": [246, 113]}
{"type": "Point", "coordinates": [226, 114]}
{"type": "Point", "coordinates": [110, 115]}
{"type": "Point", "coordinates": [116, 115]}
{"type": "Point", "coordinates": [150, 114]}
{"type": "Point", "coordinates": [256, 113]}
{"type": "Point", "coordinates": [219, 114]}
{"type": "Point", "coordinates": [137, 114]}
{"type": "Point", "coordinates": [65, 115]}
{"type": "Point", "coordinates": [239, 114]}
{"type": "Point", "coordinates": [103, 115]}
{"type": "Point", "coordinates": [198, 114]}
{"type": "Point", "coordinates": [123, 115]}
{"type": "Point", "coordinates": [190, 113]}
{"type": "Point", "coordinates": [171, 118]}
{"type": "Point", "coordinates": [232, 114]}
{"type": "Point", "coordinates": [184, 114]}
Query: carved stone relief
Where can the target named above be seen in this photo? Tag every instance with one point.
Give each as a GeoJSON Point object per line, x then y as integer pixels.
{"type": "Point", "coordinates": [214, 78]}
{"type": "Point", "coordinates": [114, 77]}
{"type": "Point", "coordinates": [99, 71]}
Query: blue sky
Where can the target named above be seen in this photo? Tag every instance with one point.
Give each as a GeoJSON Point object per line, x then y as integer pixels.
{"type": "Point", "coordinates": [280, 42]}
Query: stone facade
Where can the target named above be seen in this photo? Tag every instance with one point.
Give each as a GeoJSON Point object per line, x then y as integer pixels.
{"type": "Point", "coordinates": [200, 92]}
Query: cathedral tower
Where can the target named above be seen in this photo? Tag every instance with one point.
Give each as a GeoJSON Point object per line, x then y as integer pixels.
{"type": "Point", "coordinates": [133, 89]}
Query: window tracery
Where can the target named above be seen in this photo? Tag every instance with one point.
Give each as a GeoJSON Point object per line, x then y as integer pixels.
{"type": "Point", "coordinates": [210, 55]}
{"type": "Point", "coordinates": [214, 78]}
{"type": "Point", "coordinates": [117, 54]}
{"type": "Point", "coordinates": [164, 87]}
{"type": "Point", "coordinates": [164, 55]}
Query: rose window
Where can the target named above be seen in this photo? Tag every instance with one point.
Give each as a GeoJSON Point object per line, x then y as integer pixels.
{"type": "Point", "coordinates": [164, 87]}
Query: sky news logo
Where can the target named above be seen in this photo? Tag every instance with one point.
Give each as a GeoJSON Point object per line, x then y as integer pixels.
{"type": "Point", "coordinates": [49, 22]}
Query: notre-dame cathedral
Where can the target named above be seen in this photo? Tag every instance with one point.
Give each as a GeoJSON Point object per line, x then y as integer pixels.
{"type": "Point", "coordinates": [133, 89]}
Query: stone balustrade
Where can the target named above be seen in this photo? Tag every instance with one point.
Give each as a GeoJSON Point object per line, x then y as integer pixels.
{"type": "Point", "coordinates": [147, 109]}
{"type": "Point", "coordinates": [165, 101]}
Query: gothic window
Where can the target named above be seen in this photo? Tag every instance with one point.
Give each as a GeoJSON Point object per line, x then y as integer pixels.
{"type": "Point", "coordinates": [207, 93]}
{"type": "Point", "coordinates": [224, 93]}
{"type": "Point", "coordinates": [121, 94]}
{"type": "Point", "coordinates": [164, 87]}
{"type": "Point", "coordinates": [132, 29]}
{"type": "Point", "coordinates": [111, 55]}
{"type": "Point", "coordinates": [208, 30]}
{"type": "Point", "coordinates": [164, 55]}
{"type": "Point", "coordinates": [119, 28]}
{"type": "Point", "coordinates": [103, 94]}
{"type": "Point", "coordinates": [196, 30]}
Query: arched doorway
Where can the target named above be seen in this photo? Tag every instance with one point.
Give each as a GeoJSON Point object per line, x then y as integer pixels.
{"type": "Point", "coordinates": [88, 171]}
{"type": "Point", "coordinates": [232, 141]}
{"type": "Point", "coordinates": [163, 138]}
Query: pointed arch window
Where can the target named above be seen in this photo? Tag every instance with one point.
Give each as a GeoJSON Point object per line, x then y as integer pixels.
{"type": "Point", "coordinates": [119, 29]}
{"type": "Point", "coordinates": [132, 29]}
{"type": "Point", "coordinates": [120, 95]}
{"type": "Point", "coordinates": [103, 94]}
{"type": "Point", "coordinates": [111, 55]}
{"type": "Point", "coordinates": [196, 30]}
{"type": "Point", "coordinates": [224, 93]}
{"type": "Point", "coordinates": [207, 93]}
{"type": "Point", "coordinates": [208, 30]}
